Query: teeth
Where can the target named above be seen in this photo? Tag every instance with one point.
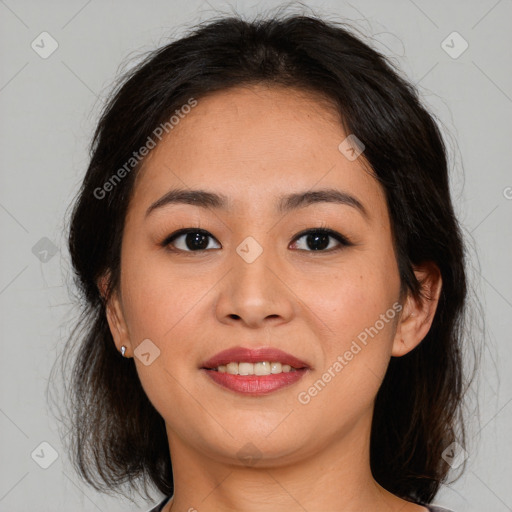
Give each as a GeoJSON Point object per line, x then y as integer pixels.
{"type": "Point", "coordinates": [276, 368]}
{"type": "Point", "coordinates": [232, 368]}
{"type": "Point", "coordinates": [260, 368]}
{"type": "Point", "coordinates": [245, 369]}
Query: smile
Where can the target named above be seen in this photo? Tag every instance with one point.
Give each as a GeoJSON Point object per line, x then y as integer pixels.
{"type": "Point", "coordinates": [260, 368]}
{"type": "Point", "coordinates": [255, 371]}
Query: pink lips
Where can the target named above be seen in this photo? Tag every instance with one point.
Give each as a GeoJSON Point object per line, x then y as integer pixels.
{"type": "Point", "coordinates": [254, 384]}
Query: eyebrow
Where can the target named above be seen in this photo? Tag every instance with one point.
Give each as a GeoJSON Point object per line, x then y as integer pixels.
{"type": "Point", "coordinates": [285, 204]}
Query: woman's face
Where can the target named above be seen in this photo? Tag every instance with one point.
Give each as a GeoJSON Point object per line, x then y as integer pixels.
{"type": "Point", "coordinates": [253, 281]}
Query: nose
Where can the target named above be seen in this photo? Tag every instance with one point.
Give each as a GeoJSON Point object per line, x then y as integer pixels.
{"type": "Point", "coordinates": [255, 293]}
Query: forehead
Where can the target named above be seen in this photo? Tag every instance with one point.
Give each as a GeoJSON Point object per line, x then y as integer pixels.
{"type": "Point", "coordinates": [256, 142]}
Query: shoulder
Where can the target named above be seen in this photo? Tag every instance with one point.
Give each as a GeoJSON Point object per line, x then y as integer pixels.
{"type": "Point", "coordinates": [160, 506]}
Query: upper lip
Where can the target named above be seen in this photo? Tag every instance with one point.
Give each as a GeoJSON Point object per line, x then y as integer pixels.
{"type": "Point", "coordinates": [248, 355]}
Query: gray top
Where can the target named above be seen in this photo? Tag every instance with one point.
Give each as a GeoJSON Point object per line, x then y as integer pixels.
{"type": "Point", "coordinates": [432, 508]}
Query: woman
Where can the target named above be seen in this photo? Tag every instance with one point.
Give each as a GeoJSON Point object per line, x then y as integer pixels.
{"type": "Point", "coordinates": [274, 279]}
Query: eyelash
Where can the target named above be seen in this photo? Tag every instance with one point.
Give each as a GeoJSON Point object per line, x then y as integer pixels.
{"type": "Point", "coordinates": [323, 229]}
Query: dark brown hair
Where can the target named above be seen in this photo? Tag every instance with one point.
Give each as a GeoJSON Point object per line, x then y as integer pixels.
{"type": "Point", "coordinates": [117, 436]}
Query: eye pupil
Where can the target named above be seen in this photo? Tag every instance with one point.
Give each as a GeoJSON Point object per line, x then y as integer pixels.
{"type": "Point", "coordinates": [196, 241]}
{"type": "Point", "coordinates": [318, 241]}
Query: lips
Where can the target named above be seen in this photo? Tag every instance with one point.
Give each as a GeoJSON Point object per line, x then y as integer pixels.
{"type": "Point", "coordinates": [255, 384]}
{"type": "Point", "coordinates": [246, 355]}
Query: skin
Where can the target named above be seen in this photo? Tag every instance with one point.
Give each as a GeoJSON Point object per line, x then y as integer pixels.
{"type": "Point", "coordinates": [255, 144]}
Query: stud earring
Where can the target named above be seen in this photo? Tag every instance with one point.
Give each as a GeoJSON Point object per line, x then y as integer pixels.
{"type": "Point", "coordinates": [123, 350]}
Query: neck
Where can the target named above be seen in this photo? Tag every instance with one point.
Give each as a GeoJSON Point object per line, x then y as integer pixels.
{"type": "Point", "coordinates": [334, 477]}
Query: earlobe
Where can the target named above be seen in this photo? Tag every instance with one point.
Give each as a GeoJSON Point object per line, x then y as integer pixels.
{"type": "Point", "coordinates": [418, 313]}
{"type": "Point", "coordinates": [115, 316]}
{"type": "Point", "coordinates": [116, 322]}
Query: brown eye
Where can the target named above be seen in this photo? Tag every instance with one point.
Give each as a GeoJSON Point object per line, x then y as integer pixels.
{"type": "Point", "coordinates": [190, 240]}
{"type": "Point", "coordinates": [321, 240]}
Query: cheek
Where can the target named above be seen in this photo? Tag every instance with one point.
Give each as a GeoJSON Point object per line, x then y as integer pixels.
{"type": "Point", "coordinates": [353, 298]}
{"type": "Point", "coordinates": [356, 351]}
{"type": "Point", "coordinates": [159, 296]}
{"type": "Point", "coordinates": [356, 311]}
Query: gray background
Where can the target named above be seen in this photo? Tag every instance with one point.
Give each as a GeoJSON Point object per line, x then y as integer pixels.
{"type": "Point", "coordinates": [48, 111]}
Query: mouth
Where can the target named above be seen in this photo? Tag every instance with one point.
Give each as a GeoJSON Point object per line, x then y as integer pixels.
{"type": "Point", "coordinates": [254, 371]}
{"type": "Point", "coordinates": [259, 368]}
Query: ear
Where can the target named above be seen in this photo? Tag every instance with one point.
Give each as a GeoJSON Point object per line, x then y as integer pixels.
{"type": "Point", "coordinates": [418, 314]}
{"type": "Point", "coordinates": [115, 316]}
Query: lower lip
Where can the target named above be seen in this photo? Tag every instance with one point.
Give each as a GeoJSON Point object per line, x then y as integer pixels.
{"type": "Point", "coordinates": [255, 384]}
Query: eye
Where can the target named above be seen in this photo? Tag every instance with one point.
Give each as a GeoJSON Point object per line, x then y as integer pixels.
{"type": "Point", "coordinates": [189, 240]}
{"type": "Point", "coordinates": [318, 240]}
